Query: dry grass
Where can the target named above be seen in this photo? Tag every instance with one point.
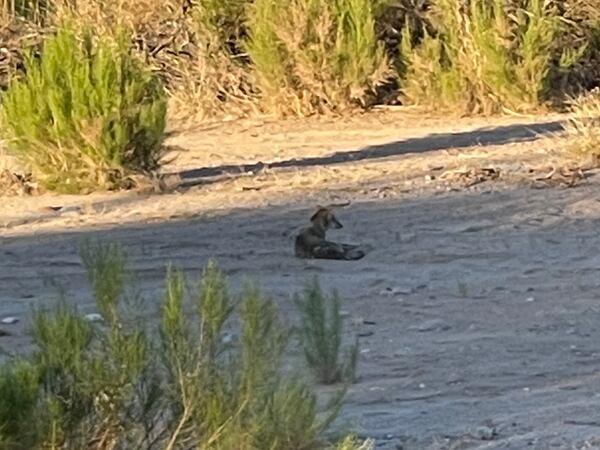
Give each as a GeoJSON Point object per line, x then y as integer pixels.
{"type": "Point", "coordinates": [582, 131]}
{"type": "Point", "coordinates": [315, 56]}
{"type": "Point", "coordinates": [485, 58]}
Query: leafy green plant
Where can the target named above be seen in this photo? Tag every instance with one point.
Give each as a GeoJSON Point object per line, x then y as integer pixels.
{"type": "Point", "coordinates": [322, 330]}
{"type": "Point", "coordinates": [87, 113]}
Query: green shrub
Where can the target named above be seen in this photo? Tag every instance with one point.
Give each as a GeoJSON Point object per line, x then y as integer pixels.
{"type": "Point", "coordinates": [315, 55]}
{"type": "Point", "coordinates": [87, 113]}
{"type": "Point", "coordinates": [114, 384]}
{"type": "Point", "coordinates": [234, 398]}
{"type": "Point", "coordinates": [485, 57]}
{"type": "Point", "coordinates": [19, 391]}
{"type": "Point", "coordinates": [322, 329]}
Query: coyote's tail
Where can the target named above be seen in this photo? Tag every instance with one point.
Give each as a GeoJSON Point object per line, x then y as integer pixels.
{"type": "Point", "coordinates": [338, 251]}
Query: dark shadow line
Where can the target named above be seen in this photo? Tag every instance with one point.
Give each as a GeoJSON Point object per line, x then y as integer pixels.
{"type": "Point", "coordinates": [432, 142]}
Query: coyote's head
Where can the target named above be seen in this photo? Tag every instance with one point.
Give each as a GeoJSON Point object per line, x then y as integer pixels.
{"type": "Point", "coordinates": [325, 218]}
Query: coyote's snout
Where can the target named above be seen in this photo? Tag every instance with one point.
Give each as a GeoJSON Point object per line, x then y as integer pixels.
{"type": "Point", "coordinates": [311, 242]}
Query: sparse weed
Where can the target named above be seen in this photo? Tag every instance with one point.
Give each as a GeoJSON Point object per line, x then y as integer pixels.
{"type": "Point", "coordinates": [352, 443]}
{"type": "Point", "coordinates": [322, 329]}
{"type": "Point", "coordinates": [462, 288]}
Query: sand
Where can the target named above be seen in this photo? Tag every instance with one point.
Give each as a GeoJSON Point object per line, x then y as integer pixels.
{"type": "Point", "coordinates": [477, 305]}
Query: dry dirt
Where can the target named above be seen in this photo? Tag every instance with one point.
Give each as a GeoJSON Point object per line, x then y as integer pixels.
{"type": "Point", "coordinates": [477, 305]}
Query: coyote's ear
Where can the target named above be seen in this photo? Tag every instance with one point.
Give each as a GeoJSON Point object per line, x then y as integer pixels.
{"type": "Point", "coordinates": [320, 209]}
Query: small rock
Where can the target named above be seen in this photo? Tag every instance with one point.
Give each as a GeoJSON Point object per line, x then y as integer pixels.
{"type": "Point", "coordinates": [4, 333]}
{"type": "Point", "coordinates": [396, 290]}
{"type": "Point", "coordinates": [431, 325]}
{"type": "Point", "coordinates": [94, 317]}
{"type": "Point", "coordinates": [530, 299]}
{"type": "Point", "coordinates": [485, 433]}
{"type": "Point", "coordinates": [356, 321]}
{"type": "Point", "coordinates": [9, 320]}
{"type": "Point", "coordinates": [227, 338]}
{"type": "Point", "coordinates": [365, 334]}
{"type": "Point", "coordinates": [422, 386]}
{"type": "Point", "coordinates": [344, 313]}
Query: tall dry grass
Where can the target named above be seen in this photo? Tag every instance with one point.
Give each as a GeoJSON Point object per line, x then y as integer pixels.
{"type": "Point", "coordinates": [581, 139]}
{"type": "Point", "coordinates": [485, 57]}
{"type": "Point", "coordinates": [315, 56]}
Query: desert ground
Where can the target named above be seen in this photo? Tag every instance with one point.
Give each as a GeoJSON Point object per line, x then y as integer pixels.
{"type": "Point", "coordinates": [477, 305]}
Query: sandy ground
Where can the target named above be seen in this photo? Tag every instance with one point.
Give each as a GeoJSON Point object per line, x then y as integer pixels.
{"type": "Point", "coordinates": [478, 304]}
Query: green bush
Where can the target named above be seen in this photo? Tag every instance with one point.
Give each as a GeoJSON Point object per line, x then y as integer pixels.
{"type": "Point", "coordinates": [322, 335]}
{"type": "Point", "coordinates": [87, 113]}
{"type": "Point", "coordinates": [315, 55]}
{"type": "Point", "coordinates": [116, 385]}
{"type": "Point", "coordinates": [485, 57]}
{"type": "Point", "coordinates": [19, 391]}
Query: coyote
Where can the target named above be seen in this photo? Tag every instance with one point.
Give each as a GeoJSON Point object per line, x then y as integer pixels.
{"type": "Point", "coordinates": [311, 242]}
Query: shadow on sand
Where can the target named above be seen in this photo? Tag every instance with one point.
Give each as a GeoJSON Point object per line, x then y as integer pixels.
{"type": "Point", "coordinates": [439, 141]}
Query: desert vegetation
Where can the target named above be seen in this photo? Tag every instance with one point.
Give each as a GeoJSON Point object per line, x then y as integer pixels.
{"type": "Point", "coordinates": [211, 375]}
{"type": "Point", "coordinates": [93, 121]}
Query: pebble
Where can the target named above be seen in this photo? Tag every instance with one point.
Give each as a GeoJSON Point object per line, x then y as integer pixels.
{"type": "Point", "coordinates": [485, 433]}
{"type": "Point", "coordinates": [94, 317]}
{"type": "Point", "coordinates": [432, 325]}
{"type": "Point", "coordinates": [9, 320]}
{"type": "Point", "coordinates": [396, 290]}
